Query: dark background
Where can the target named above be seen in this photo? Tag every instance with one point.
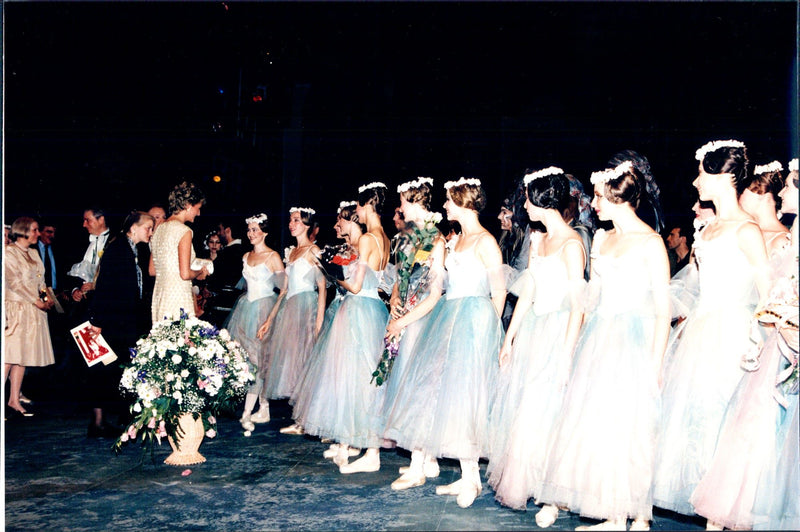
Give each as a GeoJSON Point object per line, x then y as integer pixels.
{"type": "Point", "coordinates": [114, 103]}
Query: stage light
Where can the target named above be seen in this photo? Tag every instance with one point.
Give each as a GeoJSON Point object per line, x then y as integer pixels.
{"type": "Point", "coordinates": [216, 179]}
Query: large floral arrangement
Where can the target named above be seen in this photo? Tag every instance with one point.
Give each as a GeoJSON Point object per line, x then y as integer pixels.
{"type": "Point", "coordinates": [413, 280]}
{"type": "Point", "coordinates": [184, 366]}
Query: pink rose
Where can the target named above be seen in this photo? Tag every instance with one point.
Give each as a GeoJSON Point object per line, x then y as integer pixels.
{"type": "Point", "coordinates": [152, 423]}
{"type": "Point", "coordinates": [132, 432]}
{"type": "Point", "coordinates": [212, 420]}
{"type": "Point", "coordinates": [202, 384]}
{"type": "Point", "coordinates": [211, 433]}
{"type": "Point", "coordinates": [124, 437]}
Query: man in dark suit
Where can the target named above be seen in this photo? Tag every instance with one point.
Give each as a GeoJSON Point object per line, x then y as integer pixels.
{"type": "Point", "coordinates": [224, 282]}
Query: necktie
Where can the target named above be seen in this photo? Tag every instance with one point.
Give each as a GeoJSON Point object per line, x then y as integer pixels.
{"type": "Point", "coordinates": [48, 266]}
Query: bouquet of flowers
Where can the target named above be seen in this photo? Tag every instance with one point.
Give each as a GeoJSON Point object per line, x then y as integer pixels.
{"type": "Point", "coordinates": [414, 277]}
{"type": "Point", "coordinates": [333, 259]}
{"type": "Point", "coordinates": [184, 366]}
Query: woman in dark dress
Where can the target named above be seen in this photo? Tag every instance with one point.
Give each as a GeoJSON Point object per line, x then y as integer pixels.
{"type": "Point", "coordinates": [115, 311]}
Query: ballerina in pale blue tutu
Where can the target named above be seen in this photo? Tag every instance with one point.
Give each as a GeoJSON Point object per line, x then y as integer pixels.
{"type": "Point", "coordinates": [537, 352]}
{"type": "Point", "coordinates": [301, 310]}
{"type": "Point", "coordinates": [443, 399]}
{"type": "Point", "coordinates": [262, 268]}
{"type": "Point", "coordinates": [600, 455]}
{"type": "Point", "coordinates": [418, 289]}
{"type": "Point", "coordinates": [705, 367]}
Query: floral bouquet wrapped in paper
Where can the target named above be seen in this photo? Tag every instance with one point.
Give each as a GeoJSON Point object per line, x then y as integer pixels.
{"type": "Point", "coordinates": [413, 280]}
{"type": "Point", "coordinates": [184, 366]}
{"type": "Point", "coordinates": [334, 258]}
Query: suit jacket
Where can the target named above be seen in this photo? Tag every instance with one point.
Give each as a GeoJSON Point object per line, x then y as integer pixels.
{"type": "Point", "coordinates": [116, 304]}
{"type": "Point", "coordinates": [57, 277]}
{"type": "Point", "coordinates": [227, 267]}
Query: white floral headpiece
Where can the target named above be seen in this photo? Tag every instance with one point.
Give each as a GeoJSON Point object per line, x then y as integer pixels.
{"type": "Point", "coordinates": [374, 184]}
{"type": "Point", "coordinates": [550, 170]}
{"type": "Point", "coordinates": [434, 218]}
{"type": "Point", "coordinates": [418, 182]}
{"type": "Point", "coordinates": [774, 166]}
{"type": "Point", "coordinates": [612, 173]}
{"type": "Point", "coordinates": [715, 145]}
{"type": "Point", "coordinates": [259, 218]}
{"type": "Point", "coordinates": [344, 205]}
{"type": "Point", "coordinates": [463, 181]}
{"type": "Point", "coordinates": [303, 209]}
{"type": "Point", "coordinates": [793, 165]}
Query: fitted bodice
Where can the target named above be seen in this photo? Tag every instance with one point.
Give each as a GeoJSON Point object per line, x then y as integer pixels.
{"type": "Point", "coordinates": [260, 280]}
{"type": "Point", "coordinates": [369, 286]}
{"type": "Point", "coordinates": [725, 275]}
{"type": "Point", "coordinates": [551, 284]}
{"type": "Point", "coordinates": [623, 281]}
{"type": "Point", "coordinates": [466, 275]}
{"type": "Point", "coordinates": [302, 277]}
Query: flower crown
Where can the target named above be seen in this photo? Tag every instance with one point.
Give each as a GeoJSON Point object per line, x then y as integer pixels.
{"type": "Point", "coordinates": [611, 173]}
{"type": "Point", "coordinates": [774, 166]}
{"type": "Point", "coordinates": [374, 184]}
{"type": "Point", "coordinates": [793, 165]}
{"type": "Point", "coordinates": [259, 218]}
{"type": "Point", "coordinates": [344, 205]}
{"type": "Point", "coordinates": [418, 182]}
{"type": "Point", "coordinates": [550, 170]}
{"type": "Point", "coordinates": [463, 181]}
{"type": "Point", "coordinates": [715, 145]}
{"type": "Point", "coordinates": [302, 210]}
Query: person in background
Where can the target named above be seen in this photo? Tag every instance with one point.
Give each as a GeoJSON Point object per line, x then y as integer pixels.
{"type": "Point", "coordinates": [679, 247]}
{"type": "Point", "coordinates": [81, 275]}
{"type": "Point", "coordinates": [27, 336]}
{"type": "Point", "coordinates": [399, 224]}
{"type": "Point", "coordinates": [115, 312]}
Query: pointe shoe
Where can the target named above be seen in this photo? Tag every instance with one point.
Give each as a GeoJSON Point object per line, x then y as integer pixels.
{"type": "Point", "coordinates": [247, 423]}
{"type": "Point", "coordinates": [546, 516]}
{"type": "Point", "coordinates": [450, 489]}
{"type": "Point", "coordinates": [25, 400]}
{"type": "Point", "coordinates": [605, 525]}
{"type": "Point", "coordinates": [331, 451]}
{"type": "Point", "coordinates": [408, 480]}
{"type": "Point", "coordinates": [262, 416]}
{"type": "Point", "coordinates": [643, 524]}
{"type": "Point", "coordinates": [341, 458]}
{"type": "Point", "coordinates": [293, 429]}
{"type": "Point", "coordinates": [431, 469]}
{"type": "Point", "coordinates": [365, 464]}
{"type": "Point", "coordinates": [326, 440]}
{"type": "Point", "coordinates": [469, 492]}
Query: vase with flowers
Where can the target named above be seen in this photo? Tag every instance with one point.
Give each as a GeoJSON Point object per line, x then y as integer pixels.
{"type": "Point", "coordinates": [182, 374]}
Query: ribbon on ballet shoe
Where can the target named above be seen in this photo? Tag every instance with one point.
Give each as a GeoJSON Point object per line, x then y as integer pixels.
{"type": "Point", "coordinates": [408, 480]}
{"type": "Point", "coordinates": [546, 516]}
{"type": "Point", "coordinates": [450, 489]}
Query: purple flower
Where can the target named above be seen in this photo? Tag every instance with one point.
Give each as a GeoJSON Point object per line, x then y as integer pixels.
{"type": "Point", "coordinates": [132, 351]}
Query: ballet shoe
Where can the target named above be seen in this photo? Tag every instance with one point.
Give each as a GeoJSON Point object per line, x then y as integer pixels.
{"type": "Point", "coordinates": [293, 429]}
{"type": "Point", "coordinates": [546, 516]}
{"type": "Point", "coordinates": [431, 469]}
{"type": "Point", "coordinates": [325, 440]}
{"type": "Point", "coordinates": [340, 459]}
{"type": "Point", "coordinates": [262, 416]}
{"type": "Point", "coordinates": [468, 493]}
{"type": "Point", "coordinates": [25, 400]}
{"type": "Point", "coordinates": [643, 524]}
{"type": "Point", "coordinates": [365, 464]}
{"type": "Point", "coordinates": [408, 480]}
{"type": "Point", "coordinates": [247, 423]}
{"type": "Point", "coordinates": [605, 525]}
{"type": "Point", "coordinates": [710, 525]}
{"type": "Point", "coordinates": [331, 452]}
{"type": "Point", "coordinates": [450, 489]}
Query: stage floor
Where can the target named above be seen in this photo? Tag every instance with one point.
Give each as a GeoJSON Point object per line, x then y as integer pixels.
{"type": "Point", "coordinates": [57, 479]}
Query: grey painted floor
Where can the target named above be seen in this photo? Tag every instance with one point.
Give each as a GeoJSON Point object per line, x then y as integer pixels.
{"type": "Point", "coordinates": [57, 479]}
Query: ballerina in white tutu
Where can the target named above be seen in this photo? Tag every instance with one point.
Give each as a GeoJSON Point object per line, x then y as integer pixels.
{"type": "Point", "coordinates": [291, 335]}
{"type": "Point", "coordinates": [262, 268]}
{"type": "Point", "coordinates": [600, 457]}
{"type": "Point", "coordinates": [705, 369]}
{"type": "Point", "coordinates": [443, 399]}
{"type": "Point", "coordinates": [537, 352]}
{"type": "Point", "coordinates": [760, 200]}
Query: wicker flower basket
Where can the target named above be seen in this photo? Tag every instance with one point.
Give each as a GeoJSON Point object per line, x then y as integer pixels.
{"type": "Point", "coordinates": [193, 434]}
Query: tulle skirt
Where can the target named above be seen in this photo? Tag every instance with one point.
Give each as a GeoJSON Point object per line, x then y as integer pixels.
{"type": "Point", "coordinates": [289, 344]}
{"type": "Point", "coordinates": [528, 399]}
{"type": "Point", "coordinates": [699, 382]}
{"type": "Point", "coordinates": [243, 323]}
{"type": "Point", "coordinates": [726, 493]}
{"type": "Point", "coordinates": [600, 457]}
{"type": "Point", "coordinates": [308, 376]}
{"type": "Point", "coordinates": [337, 404]}
{"type": "Point", "coordinates": [442, 402]}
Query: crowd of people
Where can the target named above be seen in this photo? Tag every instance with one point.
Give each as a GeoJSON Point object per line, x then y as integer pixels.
{"type": "Point", "coordinates": [595, 366]}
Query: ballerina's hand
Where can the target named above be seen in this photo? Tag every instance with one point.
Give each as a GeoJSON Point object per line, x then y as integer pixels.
{"type": "Point", "coordinates": [262, 331]}
{"type": "Point", "coordinates": [392, 329]}
{"type": "Point", "coordinates": [505, 354]}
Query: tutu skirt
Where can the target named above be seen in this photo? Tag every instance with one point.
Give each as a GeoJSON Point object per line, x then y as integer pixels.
{"type": "Point", "coordinates": [243, 323]}
{"type": "Point", "coordinates": [289, 344]}
{"type": "Point", "coordinates": [442, 401]}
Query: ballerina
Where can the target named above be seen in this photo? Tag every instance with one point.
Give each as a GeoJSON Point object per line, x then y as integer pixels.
{"type": "Point", "coordinates": [704, 368]}
{"type": "Point", "coordinates": [442, 403]}
{"type": "Point", "coordinates": [263, 270]}
{"type": "Point", "coordinates": [417, 291]}
{"type": "Point", "coordinates": [600, 456]}
{"type": "Point", "coordinates": [753, 480]}
{"type": "Point", "coordinates": [298, 321]}
{"type": "Point", "coordinates": [760, 200]}
{"type": "Point", "coordinates": [537, 352]}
